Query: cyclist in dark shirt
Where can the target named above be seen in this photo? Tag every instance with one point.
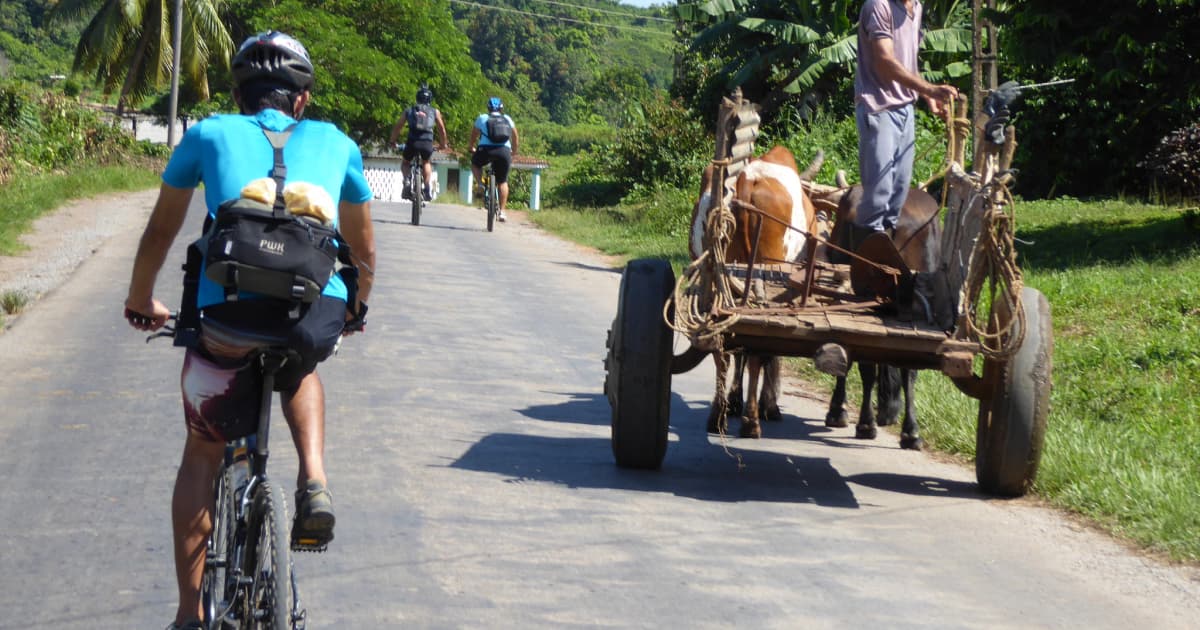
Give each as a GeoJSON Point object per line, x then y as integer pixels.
{"type": "Point", "coordinates": [421, 119]}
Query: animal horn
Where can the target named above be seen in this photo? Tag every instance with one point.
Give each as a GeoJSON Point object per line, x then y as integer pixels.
{"type": "Point", "coordinates": [815, 166]}
{"type": "Point", "coordinates": [841, 179]}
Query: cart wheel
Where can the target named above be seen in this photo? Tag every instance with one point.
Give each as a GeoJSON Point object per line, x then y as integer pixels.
{"type": "Point", "coordinates": [638, 366]}
{"type": "Point", "coordinates": [1012, 424]}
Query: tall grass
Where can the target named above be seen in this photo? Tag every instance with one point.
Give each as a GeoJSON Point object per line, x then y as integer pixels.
{"type": "Point", "coordinates": [27, 197]}
{"type": "Point", "coordinates": [1123, 281]}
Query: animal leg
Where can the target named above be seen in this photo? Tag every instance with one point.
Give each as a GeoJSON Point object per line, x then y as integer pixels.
{"type": "Point", "coordinates": [718, 416]}
{"type": "Point", "coordinates": [909, 437]}
{"type": "Point", "coordinates": [736, 395]}
{"type": "Point", "coordinates": [889, 395]}
{"type": "Point", "coordinates": [768, 400]}
{"type": "Point", "coordinates": [836, 416]}
{"type": "Point", "coordinates": [866, 415]}
{"type": "Point", "coordinates": [750, 425]}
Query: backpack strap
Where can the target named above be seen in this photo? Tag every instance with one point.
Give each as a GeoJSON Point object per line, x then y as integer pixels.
{"type": "Point", "coordinates": [279, 171]}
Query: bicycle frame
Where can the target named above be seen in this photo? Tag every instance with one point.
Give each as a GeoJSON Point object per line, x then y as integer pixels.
{"type": "Point", "coordinates": [246, 459]}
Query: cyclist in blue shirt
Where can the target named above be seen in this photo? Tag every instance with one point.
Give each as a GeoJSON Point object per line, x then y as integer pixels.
{"type": "Point", "coordinates": [274, 77]}
{"type": "Point", "coordinates": [494, 139]}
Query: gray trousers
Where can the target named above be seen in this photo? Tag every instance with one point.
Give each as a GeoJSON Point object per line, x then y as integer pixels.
{"type": "Point", "coordinates": [886, 147]}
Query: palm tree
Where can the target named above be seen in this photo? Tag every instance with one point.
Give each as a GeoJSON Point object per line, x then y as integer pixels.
{"type": "Point", "coordinates": [127, 43]}
{"type": "Point", "coordinates": [780, 50]}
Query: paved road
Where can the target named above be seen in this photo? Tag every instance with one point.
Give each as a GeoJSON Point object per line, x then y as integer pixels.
{"type": "Point", "coordinates": [475, 487]}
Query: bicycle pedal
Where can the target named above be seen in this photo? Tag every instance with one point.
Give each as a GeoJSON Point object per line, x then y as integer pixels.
{"type": "Point", "coordinates": [309, 545]}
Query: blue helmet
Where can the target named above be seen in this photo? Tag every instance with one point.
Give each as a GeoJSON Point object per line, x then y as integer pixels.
{"type": "Point", "coordinates": [494, 104]}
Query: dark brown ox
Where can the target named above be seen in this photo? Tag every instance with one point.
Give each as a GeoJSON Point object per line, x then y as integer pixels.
{"type": "Point", "coordinates": [918, 238]}
{"type": "Point", "coordinates": [773, 186]}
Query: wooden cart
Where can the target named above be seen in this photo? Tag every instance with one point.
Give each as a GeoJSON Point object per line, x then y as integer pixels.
{"type": "Point", "coordinates": [979, 326]}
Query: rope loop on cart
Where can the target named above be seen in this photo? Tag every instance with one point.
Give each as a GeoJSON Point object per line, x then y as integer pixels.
{"type": "Point", "coordinates": [994, 266]}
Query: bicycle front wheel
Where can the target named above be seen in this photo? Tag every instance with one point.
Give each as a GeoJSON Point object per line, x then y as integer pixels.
{"type": "Point", "coordinates": [215, 589]}
{"type": "Point", "coordinates": [269, 561]}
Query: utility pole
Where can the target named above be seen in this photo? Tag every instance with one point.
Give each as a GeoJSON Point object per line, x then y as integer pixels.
{"type": "Point", "coordinates": [176, 37]}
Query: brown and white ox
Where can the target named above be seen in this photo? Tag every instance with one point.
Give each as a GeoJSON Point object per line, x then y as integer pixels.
{"type": "Point", "coordinates": [918, 238]}
{"type": "Point", "coordinates": [773, 186]}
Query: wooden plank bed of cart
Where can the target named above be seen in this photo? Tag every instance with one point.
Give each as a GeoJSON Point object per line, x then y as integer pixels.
{"type": "Point", "coordinates": [979, 326]}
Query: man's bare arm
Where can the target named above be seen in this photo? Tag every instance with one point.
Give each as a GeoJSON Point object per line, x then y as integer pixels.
{"type": "Point", "coordinates": [165, 222]}
{"type": "Point", "coordinates": [354, 222]}
{"type": "Point", "coordinates": [888, 68]}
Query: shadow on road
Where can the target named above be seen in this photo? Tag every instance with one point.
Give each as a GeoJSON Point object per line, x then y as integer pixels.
{"type": "Point", "coordinates": [697, 465]}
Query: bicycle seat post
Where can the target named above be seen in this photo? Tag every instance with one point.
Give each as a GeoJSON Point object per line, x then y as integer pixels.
{"type": "Point", "coordinates": [270, 361]}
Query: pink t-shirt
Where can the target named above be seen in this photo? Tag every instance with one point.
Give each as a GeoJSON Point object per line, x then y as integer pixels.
{"type": "Point", "coordinates": [888, 19]}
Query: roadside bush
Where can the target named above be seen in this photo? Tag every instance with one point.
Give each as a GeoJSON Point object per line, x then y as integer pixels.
{"type": "Point", "coordinates": [668, 148]}
{"type": "Point", "coordinates": [1174, 164]}
{"type": "Point", "coordinates": [44, 130]}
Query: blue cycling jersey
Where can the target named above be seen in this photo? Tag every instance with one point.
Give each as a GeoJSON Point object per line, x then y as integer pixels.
{"type": "Point", "coordinates": [227, 151]}
{"type": "Point", "coordinates": [484, 140]}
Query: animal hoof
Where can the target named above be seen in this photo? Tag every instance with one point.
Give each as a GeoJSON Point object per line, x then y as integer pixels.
{"type": "Point", "coordinates": [773, 415]}
{"type": "Point", "coordinates": [912, 443]}
{"type": "Point", "coordinates": [836, 420]}
{"type": "Point", "coordinates": [751, 430]}
{"type": "Point", "coordinates": [885, 421]}
{"type": "Point", "coordinates": [864, 432]}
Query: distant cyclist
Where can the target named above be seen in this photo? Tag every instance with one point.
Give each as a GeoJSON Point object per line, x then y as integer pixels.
{"type": "Point", "coordinates": [494, 139]}
{"type": "Point", "coordinates": [422, 119]}
{"type": "Point", "coordinates": [273, 76]}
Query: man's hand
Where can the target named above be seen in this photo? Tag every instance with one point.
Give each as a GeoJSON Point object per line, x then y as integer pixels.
{"type": "Point", "coordinates": [147, 315]}
{"type": "Point", "coordinates": [941, 98]}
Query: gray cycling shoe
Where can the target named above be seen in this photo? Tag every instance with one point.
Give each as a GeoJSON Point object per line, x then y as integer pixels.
{"type": "Point", "coordinates": [313, 527]}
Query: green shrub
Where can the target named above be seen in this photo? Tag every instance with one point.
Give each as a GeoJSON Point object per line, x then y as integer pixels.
{"type": "Point", "coordinates": [1175, 163]}
{"type": "Point", "coordinates": [45, 130]}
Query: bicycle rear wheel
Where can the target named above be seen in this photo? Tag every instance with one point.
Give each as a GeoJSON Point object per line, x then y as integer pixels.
{"type": "Point", "coordinates": [214, 587]}
{"type": "Point", "coordinates": [269, 561]}
{"type": "Point", "coordinates": [416, 193]}
{"type": "Point", "coordinates": [491, 203]}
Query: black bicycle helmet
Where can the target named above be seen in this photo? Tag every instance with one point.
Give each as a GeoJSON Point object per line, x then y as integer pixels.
{"type": "Point", "coordinates": [424, 94]}
{"type": "Point", "coordinates": [494, 104]}
{"type": "Point", "coordinates": [273, 56]}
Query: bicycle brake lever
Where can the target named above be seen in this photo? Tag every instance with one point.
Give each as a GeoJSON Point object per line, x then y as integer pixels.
{"type": "Point", "coordinates": [167, 331]}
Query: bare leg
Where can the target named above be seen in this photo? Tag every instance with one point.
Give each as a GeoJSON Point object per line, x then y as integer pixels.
{"type": "Point", "coordinates": [191, 519]}
{"type": "Point", "coordinates": [305, 412]}
{"type": "Point", "coordinates": [503, 189]}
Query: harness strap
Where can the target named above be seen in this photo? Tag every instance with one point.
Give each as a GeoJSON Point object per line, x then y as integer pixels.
{"type": "Point", "coordinates": [279, 171]}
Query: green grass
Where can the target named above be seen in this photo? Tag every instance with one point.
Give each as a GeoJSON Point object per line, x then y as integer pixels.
{"type": "Point", "coordinates": [27, 197]}
{"type": "Point", "coordinates": [1123, 281]}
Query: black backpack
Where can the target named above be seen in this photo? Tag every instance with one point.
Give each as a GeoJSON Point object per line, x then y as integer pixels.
{"type": "Point", "coordinates": [499, 130]}
{"type": "Point", "coordinates": [260, 248]}
{"type": "Point", "coordinates": [421, 118]}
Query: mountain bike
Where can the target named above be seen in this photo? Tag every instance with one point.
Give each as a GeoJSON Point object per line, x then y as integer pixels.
{"type": "Point", "coordinates": [248, 579]}
{"type": "Point", "coordinates": [416, 187]}
{"type": "Point", "coordinates": [491, 196]}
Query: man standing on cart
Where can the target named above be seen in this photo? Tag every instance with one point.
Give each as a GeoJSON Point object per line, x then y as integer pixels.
{"type": "Point", "coordinates": [886, 85]}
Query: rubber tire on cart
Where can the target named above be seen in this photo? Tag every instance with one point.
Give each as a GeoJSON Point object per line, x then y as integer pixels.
{"type": "Point", "coordinates": [638, 365]}
{"type": "Point", "coordinates": [1012, 424]}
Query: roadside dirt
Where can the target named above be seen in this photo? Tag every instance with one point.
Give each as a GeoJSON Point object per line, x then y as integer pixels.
{"type": "Point", "coordinates": [61, 240]}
